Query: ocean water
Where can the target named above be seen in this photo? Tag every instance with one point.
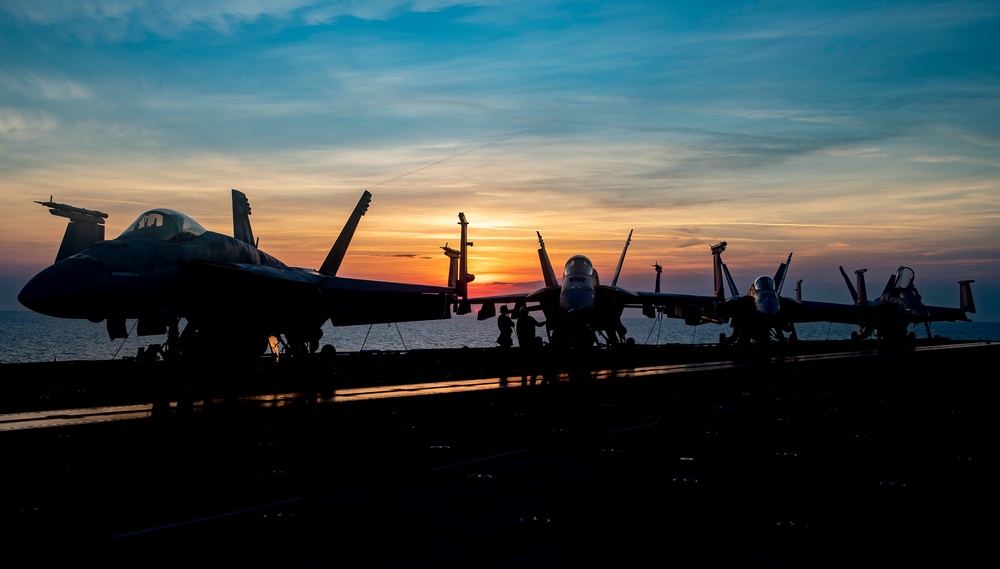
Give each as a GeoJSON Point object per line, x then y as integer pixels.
{"type": "Point", "coordinates": [31, 337]}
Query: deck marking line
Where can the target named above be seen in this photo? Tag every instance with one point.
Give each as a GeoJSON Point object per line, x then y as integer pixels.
{"type": "Point", "coordinates": [217, 516]}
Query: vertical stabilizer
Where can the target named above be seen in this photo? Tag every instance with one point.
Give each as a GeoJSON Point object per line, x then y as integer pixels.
{"type": "Point", "coordinates": [85, 227]}
{"type": "Point", "coordinates": [548, 273]}
{"type": "Point", "coordinates": [862, 289]}
{"type": "Point", "coordinates": [241, 219]}
{"type": "Point", "coordinates": [779, 276]}
{"type": "Point", "coordinates": [729, 279]}
{"type": "Point", "coordinates": [850, 287]}
{"type": "Point", "coordinates": [621, 260]}
{"type": "Point", "coordinates": [336, 255]}
{"type": "Point", "coordinates": [891, 283]}
{"type": "Point", "coordinates": [966, 301]}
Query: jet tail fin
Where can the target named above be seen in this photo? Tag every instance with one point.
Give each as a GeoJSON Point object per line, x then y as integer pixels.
{"type": "Point", "coordinates": [729, 280]}
{"type": "Point", "coordinates": [891, 283]}
{"type": "Point", "coordinates": [85, 227]}
{"type": "Point", "coordinates": [966, 302]}
{"type": "Point", "coordinates": [336, 255]}
{"type": "Point", "coordinates": [779, 276]}
{"type": "Point", "coordinates": [621, 260]}
{"type": "Point", "coordinates": [548, 273]}
{"type": "Point", "coordinates": [862, 289]}
{"type": "Point", "coordinates": [241, 219]}
{"type": "Point", "coordinates": [850, 287]}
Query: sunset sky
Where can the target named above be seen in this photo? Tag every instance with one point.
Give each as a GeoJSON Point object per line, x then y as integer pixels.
{"type": "Point", "coordinates": [861, 134]}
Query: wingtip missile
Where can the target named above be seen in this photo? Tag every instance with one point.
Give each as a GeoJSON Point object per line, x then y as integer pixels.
{"type": "Point", "coordinates": [74, 213]}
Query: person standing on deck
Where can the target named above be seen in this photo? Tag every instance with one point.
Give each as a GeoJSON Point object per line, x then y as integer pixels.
{"type": "Point", "coordinates": [526, 325]}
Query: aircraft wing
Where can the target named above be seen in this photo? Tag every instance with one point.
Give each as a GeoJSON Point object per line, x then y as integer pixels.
{"type": "Point", "coordinates": [616, 296]}
{"type": "Point", "coordinates": [358, 301]}
{"type": "Point", "coordinates": [693, 308]}
{"type": "Point", "coordinates": [542, 296]}
{"type": "Point", "coordinates": [795, 311]}
{"type": "Point", "coordinates": [813, 311]}
{"type": "Point", "coordinates": [344, 301]}
{"type": "Point", "coordinates": [961, 314]}
{"type": "Point", "coordinates": [946, 314]}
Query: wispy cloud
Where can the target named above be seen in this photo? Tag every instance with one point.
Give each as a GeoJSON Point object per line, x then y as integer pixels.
{"type": "Point", "coordinates": [859, 127]}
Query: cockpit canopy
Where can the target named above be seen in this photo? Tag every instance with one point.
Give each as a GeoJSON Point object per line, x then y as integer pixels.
{"type": "Point", "coordinates": [164, 225]}
{"type": "Point", "coordinates": [762, 284]}
{"type": "Point", "coordinates": [579, 268]}
{"type": "Point", "coordinates": [904, 277]}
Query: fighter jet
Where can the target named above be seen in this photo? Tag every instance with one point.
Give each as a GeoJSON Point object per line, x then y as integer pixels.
{"type": "Point", "coordinates": [890, 315]}
{"type": "Point", "coordinates": [579, 311]}
{"type": "Point", "coordinates": [759, 316]}
{"type": "Point", "coordinates": [236, 299]}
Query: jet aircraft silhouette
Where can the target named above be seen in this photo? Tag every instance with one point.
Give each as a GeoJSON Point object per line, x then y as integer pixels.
{"type": "Point", "coordinates": [889, 316]}
{"type": "Point", "coordinates": [579, 311]}
{"type": "Point", "coordinates": [760, 316]}
{"type": "Point", "coordinates": [234, 297]}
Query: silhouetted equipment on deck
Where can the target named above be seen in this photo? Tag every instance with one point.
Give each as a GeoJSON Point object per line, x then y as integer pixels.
{"type": "Point", "coordinates": [166, 267]}
{"type": "Point", "coordinates": [459, 276]}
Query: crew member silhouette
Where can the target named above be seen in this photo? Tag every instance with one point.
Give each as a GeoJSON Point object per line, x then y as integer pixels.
{"type": "Point", "coordinates": [506, 325]}
{"type": "Point", "coordinates": [526, 325]}
{"type": "Point", "coordinates": [529, 344]}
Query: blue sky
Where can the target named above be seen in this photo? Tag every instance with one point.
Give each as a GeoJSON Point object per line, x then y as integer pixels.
{"type": "Point", "coordinates": [862, 134]}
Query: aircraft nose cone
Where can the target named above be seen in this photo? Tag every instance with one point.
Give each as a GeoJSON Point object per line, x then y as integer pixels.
{"type": "Point", "coordinates": [768, 305]}
{"type": "Point", "coordinates": [72, 288]}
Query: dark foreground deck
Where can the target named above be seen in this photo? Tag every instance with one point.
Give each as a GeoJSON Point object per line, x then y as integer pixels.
{"type": "Point", "coordinates": [886, 458]}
